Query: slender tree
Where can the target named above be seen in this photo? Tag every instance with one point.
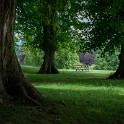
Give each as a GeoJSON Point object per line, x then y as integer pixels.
{"type": "Point", "coordinates": [11, 76]}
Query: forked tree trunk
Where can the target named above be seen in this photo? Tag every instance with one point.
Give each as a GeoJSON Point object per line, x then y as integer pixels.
{"type": "Point", "coordinates": [119, 74]}
{"type": "Point", "coordinates": [12, 78]}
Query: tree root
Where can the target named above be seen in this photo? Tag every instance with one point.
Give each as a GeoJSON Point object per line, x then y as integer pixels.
{"type": "Point", "coordinates": [29, 95]}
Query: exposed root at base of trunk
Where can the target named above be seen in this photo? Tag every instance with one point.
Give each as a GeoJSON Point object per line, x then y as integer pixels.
{"type": "Point", "coordinates": [30, 95]}
{"type": "Point", "coordinates": [22, 92]}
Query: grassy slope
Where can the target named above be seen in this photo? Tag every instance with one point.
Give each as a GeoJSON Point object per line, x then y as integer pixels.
{"type": "Point", "coordinates": [84, 97]}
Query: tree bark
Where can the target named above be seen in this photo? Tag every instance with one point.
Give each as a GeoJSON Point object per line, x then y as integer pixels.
{"type": "Point", "coordinates": [48, 66]}
{"type": "Point", "coordinates": [49, 48]}
{"type": "Point", "coordinates": [119, 74]}
{"type": "Point", "coordinates": [12, 78]}
{"type": "Point", "coordinates": [49, 44]}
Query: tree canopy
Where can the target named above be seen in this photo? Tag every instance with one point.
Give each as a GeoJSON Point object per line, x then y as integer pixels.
{"type": "Point", "coordinates": [47, 25]}
{"type": "Point", "coordinates": [105, 28]}
{"type": "Point", "coordinates": [33, 15]}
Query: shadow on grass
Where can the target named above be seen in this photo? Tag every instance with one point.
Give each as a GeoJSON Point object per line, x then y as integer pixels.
{"type": "Point", "coordinates": [85, 97]}
{"type": "Point", "coordinates": [91, 105]}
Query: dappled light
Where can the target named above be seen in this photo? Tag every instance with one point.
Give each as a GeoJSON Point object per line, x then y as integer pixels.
{"type": "Point", "coordinates": [79, 87]}
{"type": "Point", "coordinates": [73, 91]}
{"type": "Point", "coordinates": [61, 61]}
{"type": "Point", "coordinates": [92, 102]}
{"type": "Point", "coordinates": [84, 97]}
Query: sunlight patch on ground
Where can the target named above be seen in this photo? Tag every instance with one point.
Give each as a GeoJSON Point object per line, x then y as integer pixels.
{"type": "Point", "coordinates": [74, 87]}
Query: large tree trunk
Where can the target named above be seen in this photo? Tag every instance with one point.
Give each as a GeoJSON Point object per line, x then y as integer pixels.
{"type": "Point", "coordinates": [11, 76]}
{"type": "Point", "coordinates": [48, 66]}
{"type": "Point", "coordinates": [119, 74]}
{"type": "Point", "coordinates": [49, 44]}
{"type": "Point", "coordinates": [49, 47]}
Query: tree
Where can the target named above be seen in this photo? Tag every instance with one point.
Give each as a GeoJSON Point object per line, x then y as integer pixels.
{"type": "Point", "coordinates": [44, 20]}
{"type": "Point", "coordinates": [46, 25]}
{"type": "Point", "coordinates": [49, 38]}
{"type": "Point", "coordinates": [105, 30]}
{"type": "Point", "coordinates": [107, 62]}
{"type": "Point", "coordinates": [120, 70]}
{"type": "Point", "coordinates": [11, 76]}
{"type": "Point", "coordinates": [66, 59]}
{"type": "Point", "coordinates": [32, 57]}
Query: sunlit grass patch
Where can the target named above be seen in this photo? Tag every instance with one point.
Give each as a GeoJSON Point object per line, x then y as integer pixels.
{"type": "Point", "coordinates": [84, 97]}
{"type": "Point", "coordinates": [81, 91]}
{"type": "Point", "coordinates": [87, 103]}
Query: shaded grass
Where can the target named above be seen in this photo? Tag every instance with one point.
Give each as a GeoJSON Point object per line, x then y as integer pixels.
{"type": "Point", "coordinates": [80, 98]}
{"type": "Point", "coordinates": [87, 104]}
{"type": "Point", "coordinates": [87, 97]}
{"type": "Point", "coordinates": [29, 69]}
{"type": "Point", "coordinates": [25, 115]}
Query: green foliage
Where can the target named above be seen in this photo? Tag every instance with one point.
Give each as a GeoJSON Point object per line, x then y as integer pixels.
{"type": "Point", "coordinates": [108, 62]}
{"type": "Point", "coordinates": [66, 59]}
{"type": "Point", "coordinates": [28, 22]}
{"type": "Point", "coordinates": [33, 57]}
{"type": "Point", "coordinates": [106, 25]}
{"type": "Point", "coordinates": [33, 15]}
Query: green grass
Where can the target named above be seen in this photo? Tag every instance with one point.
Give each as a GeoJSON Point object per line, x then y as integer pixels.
{"type": "Point", "coordinates": [87, 103]}
{"type": "Point", "coordinates": [88, 97]}
{"type": "Point", "coordinates": [65, 75]}
{"type": "Point", "coordinates": [81, 98]}
{"type": "Point", "coordinates": [10, 114]}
